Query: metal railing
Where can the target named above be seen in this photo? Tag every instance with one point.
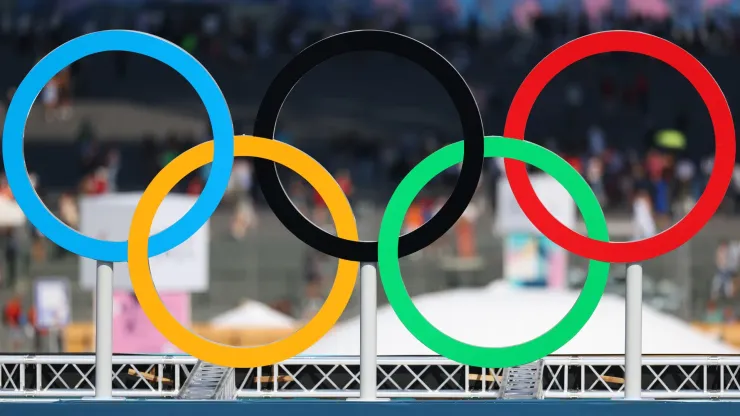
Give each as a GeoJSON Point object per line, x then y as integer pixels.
{"type": "Point", "coordinates": [574, 377]}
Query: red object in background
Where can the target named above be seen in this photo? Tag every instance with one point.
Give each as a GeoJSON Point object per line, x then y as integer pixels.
{"type": "Point", "coordinates": [655, 163]}
{"type": "Point", "coordinates": [6, 193]}
{"type": "Point", "coordinates": [96, 186]}
{"type": "Point", "coordinates": [12, 313]}
{"type": "Point", "coordinates": [318, 201]}
{"type": "Point", "coordinates": [575, 162]}
{"type": "Point", "coordinates": [344, 182]}
{"type": "Point", "coordinates": [195, 187]}
{"type": "Point", "coordinates": [414, 218]}
{"type": "Point", "coordinates": [99, 186]}
{"type": "Point", "coordinates": [465, 233]}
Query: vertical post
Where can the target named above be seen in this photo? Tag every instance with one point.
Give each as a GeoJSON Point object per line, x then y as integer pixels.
{"type": "Point", "coordinates": [633, 334]}
{"type": "Point", "coordinates": [104, 331]}
{"type": "Point", "coordinates": [368, 332]}
{"type": "Point", "coordinates": [52, 340]}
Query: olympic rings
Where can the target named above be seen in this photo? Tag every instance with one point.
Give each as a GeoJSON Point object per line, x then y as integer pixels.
{"type": "Point", "coordinates": [346, 245]}
{"type": "Point", "coordinates": [428, 334]}
{"type": "Point", "coordinates": [724, 132]}
{"type": "Point", "coordinates": [127, 41]}
{"type": "Point", "coordinates": [432, 62]}
{"type": "Point", "coordinates": [210, 351]}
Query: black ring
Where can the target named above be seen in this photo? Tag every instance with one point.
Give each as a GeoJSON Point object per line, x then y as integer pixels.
{"type": "Point", "coordinates": [436, 65]}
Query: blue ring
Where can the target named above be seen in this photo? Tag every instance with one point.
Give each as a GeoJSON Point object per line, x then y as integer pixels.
{"type": "Point", "coordinates": [127, 41]}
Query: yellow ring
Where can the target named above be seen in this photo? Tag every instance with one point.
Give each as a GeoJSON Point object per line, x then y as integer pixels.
{"type": "Point", "coordinates": [209, 351]}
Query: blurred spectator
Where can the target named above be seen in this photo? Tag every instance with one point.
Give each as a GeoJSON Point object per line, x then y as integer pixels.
{"type": "Point", "coordinates": [51, 100]}
{"type": "Point", "coordinates": [414, 218]}
{"type": "Point", "coordinates": [655, 165]}
{"type": "Point", "coordinates": [465, 232]}
{"type": "Point", "coordinates": [685, 186]}
{"type": "Point", "coordinates": [723, 284]}
{"type": "Point", "coordinates": [96, 183]}
{"type": "Point", "coordinates": [313, 298]}
{"type": "Point", "coordinates": [643, 221]}
{"type": "Point", "coordinates": [88, 148]}
{"type": "Point", "coordinates": [5, 191]}
{"type": "Point", "coordinates": [69, 215]}
{"type": "Point", "coordinates": [714, 315]}
{"type": "Point", "coordinates": [14, 322]}
{"type": "Point", "coordinates": [68, 210]}
{"type": "Point", "coordinates": [596, 140]}
{"type": "Point", "coordinates": [15, 241]}
{"type": "Point", "coordinates": [662, 198]}
{"type": "Point", "coordinates": [320, 212]}
{"type": "Point", "coordinates": [240, 187]}
{"type": "Point", "coordinates": [40, 333]}
{"type": "Point", "coordinates": [595, 177]}
{"type": "Point", "coordinates": [575, 162]}
{"type": "Point", "coordinates": [170, 152]}
{"type": "Point", "coordinates": [190, 42]}
{"type": "Point", "coordinates": [210, 29]}
{"type": "Point", "coordinates": [148, 158]}
{"type": "Point", "coordinates": [31, 244]}
{"type": "Point", "coordinates": [65, 92]}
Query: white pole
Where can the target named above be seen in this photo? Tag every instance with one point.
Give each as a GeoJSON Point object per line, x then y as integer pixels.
{"type": "Point", "coordinates": [368, 332]}
{"type": "Point", "coordinates": [104, 331]}
{"type": "Point", "coordinates": [633, 334]}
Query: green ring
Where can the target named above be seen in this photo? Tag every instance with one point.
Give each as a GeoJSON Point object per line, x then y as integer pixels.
{"type": "Point", "coordinates": [428, 334]}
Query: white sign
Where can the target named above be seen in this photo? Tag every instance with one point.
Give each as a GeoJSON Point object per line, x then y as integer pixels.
{"type": "Point", "coordinates": [52, 301]}
{"type": "Point", "coordinates": [511, 219]}
{"type": "Point", "coordinates": [182, 269]}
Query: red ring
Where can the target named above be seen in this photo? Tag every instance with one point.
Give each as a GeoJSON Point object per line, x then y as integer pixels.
{"type": "Point", "coordinates": [724, 132]}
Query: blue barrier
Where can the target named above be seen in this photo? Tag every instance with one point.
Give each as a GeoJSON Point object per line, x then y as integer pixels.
{"type": "Point", "coordinates": [391, 408]}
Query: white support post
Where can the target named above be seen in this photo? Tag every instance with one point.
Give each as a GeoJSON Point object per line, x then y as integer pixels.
{"type": "Point", "coordinates": [368, 334]}
{"type": "Point", "coordinates": [633, 334]}
{"type": "Point", "coordinates": [104, 331]}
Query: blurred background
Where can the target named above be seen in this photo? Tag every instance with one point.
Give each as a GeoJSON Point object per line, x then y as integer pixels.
{"type": "Point", "coordinates": [102, 128]}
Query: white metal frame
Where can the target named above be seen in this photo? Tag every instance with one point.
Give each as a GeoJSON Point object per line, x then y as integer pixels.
{"type": "Point", "coordinates": [667, 377]}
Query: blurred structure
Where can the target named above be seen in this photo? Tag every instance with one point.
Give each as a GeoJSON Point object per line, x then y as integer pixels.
{"type": "Point", "coordinates": [458, 313]}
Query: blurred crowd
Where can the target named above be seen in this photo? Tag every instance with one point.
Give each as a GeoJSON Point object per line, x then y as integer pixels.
{"type": "Point", "coordinates": [657, 182]}
{"type": "Point", "coordinates": [660, 166]}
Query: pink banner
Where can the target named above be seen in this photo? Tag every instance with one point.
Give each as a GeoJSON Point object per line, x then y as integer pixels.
{"type": "Point", "coordinates": [596, 9]}
{"type": "Point", "coordinates": [133, 333]}
{"type": "Point", "coordinates": [656, 9]}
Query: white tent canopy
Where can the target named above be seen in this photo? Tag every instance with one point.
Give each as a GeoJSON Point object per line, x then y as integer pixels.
{"type": "Point", "coordinates": [253, 314]}
{"type": "Point", "coordinates": [501, 315]}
